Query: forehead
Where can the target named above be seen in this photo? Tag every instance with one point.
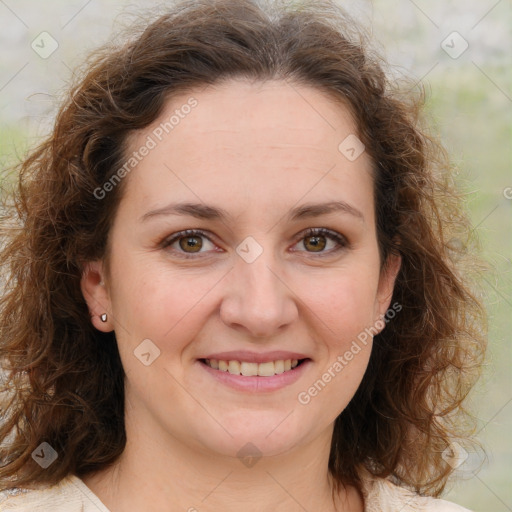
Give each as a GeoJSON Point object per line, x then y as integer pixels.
{"type": "Point", "coordinates": [275, 140]}
{"type": "Point", "coordinates": [272, 112]}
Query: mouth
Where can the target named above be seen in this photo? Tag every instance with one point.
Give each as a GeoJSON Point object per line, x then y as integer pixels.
{"type": "Point", "coordinates": [255, 377]}
{"type": "Point", "coordinates": [253, 369]}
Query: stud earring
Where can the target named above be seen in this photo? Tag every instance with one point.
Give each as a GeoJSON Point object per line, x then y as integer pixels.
{"type": "Point", "coordinates": [103, 317]}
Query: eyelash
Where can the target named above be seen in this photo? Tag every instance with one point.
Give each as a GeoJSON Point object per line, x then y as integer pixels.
{"type": "Point", "coordinates": [310, 232]}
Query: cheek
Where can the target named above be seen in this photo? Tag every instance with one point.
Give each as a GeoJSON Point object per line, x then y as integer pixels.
{"type": "Point", "coordinates": [156, 303]}
{"type": "Point", "coordinates": [344, 304]}
{"type": "Point", "coordinates": [344, 312]}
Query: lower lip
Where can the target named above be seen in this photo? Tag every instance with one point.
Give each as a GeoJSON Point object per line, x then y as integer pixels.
{"type": "Point", "coordinates": [257, 384]}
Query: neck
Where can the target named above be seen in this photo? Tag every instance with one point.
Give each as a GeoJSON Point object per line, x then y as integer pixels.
{"type": "Point", "coordinates": [161, 473]}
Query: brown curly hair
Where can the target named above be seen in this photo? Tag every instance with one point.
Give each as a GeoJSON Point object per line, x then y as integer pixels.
{"type": "Point", "coordinates": [64, 382]}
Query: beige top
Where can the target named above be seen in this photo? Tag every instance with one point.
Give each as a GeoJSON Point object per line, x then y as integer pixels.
{"type": "Point", "coordinates": [72, 495]}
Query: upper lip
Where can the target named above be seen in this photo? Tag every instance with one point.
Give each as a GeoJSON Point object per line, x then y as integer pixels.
{"type": "Point", "coordinates": [255, 357]}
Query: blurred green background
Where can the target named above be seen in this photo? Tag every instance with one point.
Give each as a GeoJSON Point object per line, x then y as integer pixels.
{"type": "Point", "coordinates": [469, 101]}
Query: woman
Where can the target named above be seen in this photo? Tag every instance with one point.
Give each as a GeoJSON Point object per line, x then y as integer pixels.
{"type": "Point", "coordinates": [231, 286]}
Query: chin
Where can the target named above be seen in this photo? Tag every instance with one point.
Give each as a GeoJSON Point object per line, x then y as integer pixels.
{"type": "Point", "coordinates": [256, 433]}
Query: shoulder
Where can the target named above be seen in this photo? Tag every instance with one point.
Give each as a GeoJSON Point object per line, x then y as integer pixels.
{"type": "Point", "coordinates": [69, 495]}
{"type": "Point", "coordinates": [381, 495]}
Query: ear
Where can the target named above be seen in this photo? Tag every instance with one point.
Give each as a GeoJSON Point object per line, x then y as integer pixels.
{"type": "Point", "coordinates": [386, 286]}
{"type": "Point", "coordinates": [96, 295]}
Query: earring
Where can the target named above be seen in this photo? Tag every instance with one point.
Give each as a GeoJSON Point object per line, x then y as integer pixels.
{"type": "Point", "coordinates": [103, 317]}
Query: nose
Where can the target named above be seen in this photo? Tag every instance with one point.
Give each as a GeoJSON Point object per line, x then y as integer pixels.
{"type": "Point", "coordinates": [257, 299]}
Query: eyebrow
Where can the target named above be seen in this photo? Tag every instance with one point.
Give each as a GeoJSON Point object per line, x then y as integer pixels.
{"type": "Point", "coordinates": [197, 210]}
{"type": "Point", "coordinates": [206, 212]}
{"type": "Point", "coordinates": [317, 209]}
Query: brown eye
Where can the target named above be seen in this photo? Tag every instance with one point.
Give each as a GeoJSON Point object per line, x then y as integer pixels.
{"type": "Point", "coordinates": [315, 243]}
{"type": "Point", "coordinates": [186, 244]}
{"type": "Point", "coordinates": [322, 241]}
{"type": "Point", "coordinates": [191, 243]}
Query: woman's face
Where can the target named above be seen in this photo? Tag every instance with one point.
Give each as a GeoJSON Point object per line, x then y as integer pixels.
{"type": "Point", "coordinates": [249, 168]}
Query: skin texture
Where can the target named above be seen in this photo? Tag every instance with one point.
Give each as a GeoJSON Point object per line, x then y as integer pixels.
{"type": "Point", "coordinates": [256, 150]}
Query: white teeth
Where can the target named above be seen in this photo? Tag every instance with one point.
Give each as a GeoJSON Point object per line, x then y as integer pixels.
{"type": "Point", "coordinates": [247, 369]}
{"type": "Point", "coordinates": [234, 367]}
{"type": "Point", "coordinates": [278, 366]}
{"type": "Point", "coordinates": [266, 369]}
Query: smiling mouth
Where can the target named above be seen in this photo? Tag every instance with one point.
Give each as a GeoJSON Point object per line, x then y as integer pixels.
{"type": "Point", "coordinates": [246, 369]}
